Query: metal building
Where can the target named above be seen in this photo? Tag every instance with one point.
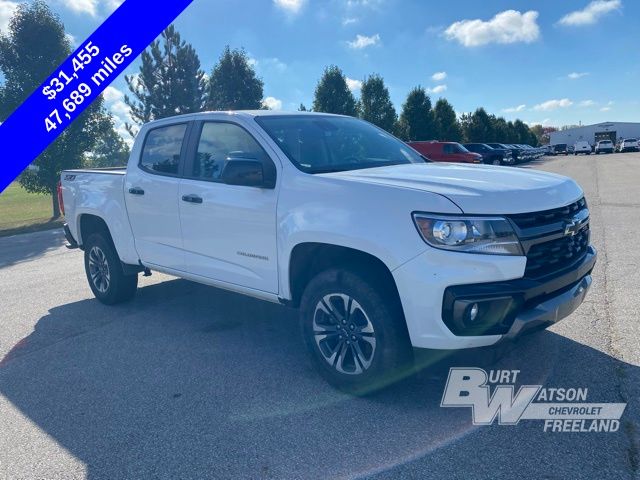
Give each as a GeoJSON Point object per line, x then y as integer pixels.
{"type": "Point", "coordinates": [613, 131]}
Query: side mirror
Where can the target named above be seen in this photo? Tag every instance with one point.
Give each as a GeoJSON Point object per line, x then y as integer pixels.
{"type": "Point", "coordinates": [248, 172]}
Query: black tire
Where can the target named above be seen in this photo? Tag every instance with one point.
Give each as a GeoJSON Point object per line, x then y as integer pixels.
{"type": "Point", "coordinates": [360, 365]}
{"type": "Point", "coordinates": [497, 161]}
{"type": "Point", "coordinates": [104, 271]}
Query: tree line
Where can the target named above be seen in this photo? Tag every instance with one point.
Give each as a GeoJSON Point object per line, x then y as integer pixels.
{"type": "Point", "coordinates": [170, 81]}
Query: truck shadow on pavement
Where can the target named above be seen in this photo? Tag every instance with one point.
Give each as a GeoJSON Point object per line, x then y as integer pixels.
{"type": "Point", "coordinates": [21, 248]}
{"type": "Point", "coordinates": [188, 381]}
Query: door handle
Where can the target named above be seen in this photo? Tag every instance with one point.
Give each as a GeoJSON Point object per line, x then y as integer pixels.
{"type": "Point", "coordinates": [192, 199]}
{"type": "Point", "coordinates": [136, 191]}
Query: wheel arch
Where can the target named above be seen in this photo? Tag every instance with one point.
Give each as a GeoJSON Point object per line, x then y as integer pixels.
{"type": "Point", "coordinates": [311, 258]}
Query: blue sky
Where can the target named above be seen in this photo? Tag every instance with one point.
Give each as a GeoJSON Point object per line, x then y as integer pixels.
{"type": "Point", "coordinates": [549, 62]}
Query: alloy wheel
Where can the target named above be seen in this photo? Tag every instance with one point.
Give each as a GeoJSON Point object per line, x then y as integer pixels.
{"type": "Point", "coordinates": [344, 334]}
{"type": "Point", "coordinates": [99, 269]}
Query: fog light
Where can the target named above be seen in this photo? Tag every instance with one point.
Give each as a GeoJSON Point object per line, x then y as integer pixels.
{"type": "Point", "coordinates": [473, 312]}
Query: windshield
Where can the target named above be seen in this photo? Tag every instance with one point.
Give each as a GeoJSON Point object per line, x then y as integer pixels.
{"type": "Point", "coordinates": [630, 140]}
{"type": "Point", "coordinates": [320, 144]}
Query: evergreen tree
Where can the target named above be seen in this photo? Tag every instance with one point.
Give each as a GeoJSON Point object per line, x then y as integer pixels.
{"type": "Point", "coordinates": [170, 81]}
{"type": "Point", "coordinates": [479, 127]}
{"type": "Point", "coordinates": [332, 94]}
{"type": "Point", "coordinates": [33, 47]}
{"type": "Point", "coordinates": [416, 120]}
{"type": "Point", "coordinates": [375, 103]}
{"type": "Point", "coordinates": [233, 84]}
{"type": "Point", "coordinates": [446, 124]}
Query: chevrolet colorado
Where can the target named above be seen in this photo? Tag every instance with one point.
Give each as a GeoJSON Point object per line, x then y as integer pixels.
{"type": "Point", "coordinates": [380, 249]}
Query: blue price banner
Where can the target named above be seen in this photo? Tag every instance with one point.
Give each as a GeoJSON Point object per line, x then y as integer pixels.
{"type": "Point", "coordinates": [79, 80]}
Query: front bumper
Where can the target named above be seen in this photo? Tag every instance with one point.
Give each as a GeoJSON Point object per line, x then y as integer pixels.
{"type": "Point", "coordinates": [433, 304]}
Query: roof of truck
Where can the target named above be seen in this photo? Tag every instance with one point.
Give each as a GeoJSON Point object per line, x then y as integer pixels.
{"type": "Point", "coordinates": [241, 113]}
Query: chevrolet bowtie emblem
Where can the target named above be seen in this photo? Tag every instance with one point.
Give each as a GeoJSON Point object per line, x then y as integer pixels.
{"type": "Point", "coordinates": [575, 224]}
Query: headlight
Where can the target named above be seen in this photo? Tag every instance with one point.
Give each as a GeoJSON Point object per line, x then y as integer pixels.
{"type": "Point", "coordinates": [486, 235]}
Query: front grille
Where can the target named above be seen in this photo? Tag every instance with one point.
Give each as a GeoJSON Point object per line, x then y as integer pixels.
{"type": "Point", "coordinates": [547, 247]}
{"type": "Point", "coordinates": [549, 257]}
{"type": "Point", "coordinates": [537, 219]}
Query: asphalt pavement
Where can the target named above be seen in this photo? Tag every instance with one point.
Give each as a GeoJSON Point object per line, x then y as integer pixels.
{"type": "Point", "coordinates": [187, 381]}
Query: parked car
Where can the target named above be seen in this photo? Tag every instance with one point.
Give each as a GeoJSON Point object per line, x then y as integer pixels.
{"type": "Point", "coordinates": [628, 145]}
{"type": "Point", "coordinates": [379, 250]}
{"type": "Point", "coordinates": [491, 155]}
{"type": "Point", "coordinates": [561, 149]}
{"type": "Point", "coordinates": [549, 150]}
{"type": "Point", "coordinates": [604, 146]}
{"type": "Point", "coordinates": [522, 155]}
{"type": "Point", "coordinates": [582, 147]}
{"type": "Point", "coordinates": [570, 149]}
{"type": "Point", "coordinates": [446, 152]}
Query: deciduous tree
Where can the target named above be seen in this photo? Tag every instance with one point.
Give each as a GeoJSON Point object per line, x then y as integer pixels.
{"type": "Point", "coordinates": [446, 123]}
{"type": "Point", "coordinates": [30, 51]}
{"type": "Point", "coordinates": [375, 103]}
{"type": "Point", "coordinates": [233, 84]}
{"type": "Point", "coordinates": [332, 94]}
{"type": "Point", "coordinates": [416, 120]}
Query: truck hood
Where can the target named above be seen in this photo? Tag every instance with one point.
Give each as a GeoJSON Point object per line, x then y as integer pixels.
{"type": "Point", "coordinates": [476, 189]}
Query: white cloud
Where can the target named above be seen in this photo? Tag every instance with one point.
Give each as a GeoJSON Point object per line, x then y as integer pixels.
{"type": "Point", "coordinates": [114, 102]}
{"type": "Point", "coordinates": [545, 123]}
{"type": "Point", "coordinates": [591, 13]}
{"type": "Point", "coordinates": [437, 89]}
{"type": "Point", "coordinates": [82, 6]}
{"type": "Point", "coordinates": [607, 107]}
{"type": "Point", "coordinates": [112, 94]}
{"type": "Point", "coordinates": [272, 103]}
{"type": "Point", "coordinates": [577, 75]}
{"type": "Point", "coordinates": [7, 9]}
{"type": "Point", "coordinates": [349, 21]}
{"type": "Point", "coordinates": [291, 7]}
{"type": "Point", "coordinates": [362, 41]}
{"type": "Point", "coordinates": [73, 41]}
{"type": "Point", "coordinates": [587, 103]}
{"type": "Point", "coordinates": [519, 108]}
{"type": "Point", "coordinates": [91, 7]}
{"type": "Point", "coordinates": [509, 26]}
{"type": "Point", "coordinates": [553, 104]}
{"type": "Point", "coordinates": [354, 85]}
{"type": "Point", "coordinates": [439, 76]}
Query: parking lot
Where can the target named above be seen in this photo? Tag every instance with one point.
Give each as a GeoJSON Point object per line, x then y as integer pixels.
{"type": "Point", "coordinates": [188, 381]}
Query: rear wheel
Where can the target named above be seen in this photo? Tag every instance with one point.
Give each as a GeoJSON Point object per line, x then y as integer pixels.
{"type": "Point", "coordinates": [104, 271]}
{"type": "Point", "coordinates": [356, 335]}
{"type": "Point", "coordinates": [497, 161]}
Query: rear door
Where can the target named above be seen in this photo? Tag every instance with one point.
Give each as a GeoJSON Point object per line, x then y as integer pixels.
{"type": "Point", "coordinates": [152, 188]}
{"type": "Point", "coordinates": [229, 231]}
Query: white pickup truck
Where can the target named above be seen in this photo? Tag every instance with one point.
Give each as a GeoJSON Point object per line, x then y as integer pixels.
{"type": "Point", "coordinates": [380, 249]}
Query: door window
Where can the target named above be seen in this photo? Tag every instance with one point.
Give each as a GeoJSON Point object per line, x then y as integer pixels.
{"type": "Point", "coordinates": [219, 142]}
{"type": "Point", "coordinates": [162, 150]}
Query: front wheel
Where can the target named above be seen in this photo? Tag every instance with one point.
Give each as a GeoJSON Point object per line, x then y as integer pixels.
{"type": "Point", "coordinates": [497, 161]}
{"type": "Point", "coordinates": [104, 271]}
{"type": "Point", "coordinates": [355, 334]}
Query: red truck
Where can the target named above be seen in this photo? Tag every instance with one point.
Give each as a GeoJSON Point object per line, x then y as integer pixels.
{"type": "Point", "coordinates": [446, 152]}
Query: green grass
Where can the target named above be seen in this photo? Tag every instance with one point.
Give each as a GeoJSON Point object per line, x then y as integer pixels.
{"type": "Point", "coordinates": [22, 212]}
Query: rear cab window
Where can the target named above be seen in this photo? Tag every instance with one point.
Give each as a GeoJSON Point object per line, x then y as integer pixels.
{"type": "Point", "coordinates": [162, 150]}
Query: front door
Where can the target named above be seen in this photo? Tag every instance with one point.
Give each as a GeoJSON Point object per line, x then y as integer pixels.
{"type": "Point", "coordinates": [228, 231]}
